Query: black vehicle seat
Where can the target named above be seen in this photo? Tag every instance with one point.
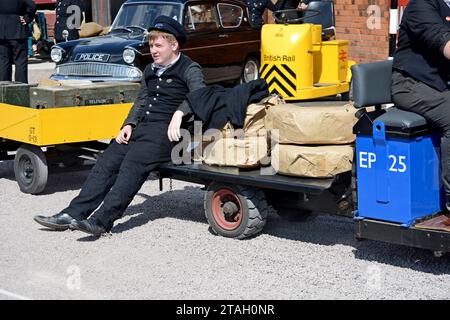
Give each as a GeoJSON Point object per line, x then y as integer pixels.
{"type": "Point", "coordinates": [325, 18]}
{"type": "Point", "coordinates": [371, 86]}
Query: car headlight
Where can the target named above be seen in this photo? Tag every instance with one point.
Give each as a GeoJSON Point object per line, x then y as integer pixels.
{"type": "Point", "coordinates": [134, 73]}
{"type": "Point", "coordinates": [128, 55]}
{"type": "Point", "coordinates": [57, 54]}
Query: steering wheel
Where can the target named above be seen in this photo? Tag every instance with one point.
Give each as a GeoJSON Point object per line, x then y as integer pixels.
{"type": "Point", "coordinates": [280, 16]}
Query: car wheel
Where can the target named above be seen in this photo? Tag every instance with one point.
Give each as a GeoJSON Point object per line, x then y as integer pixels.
{"type": "Point", "coordinates": [251, 70]}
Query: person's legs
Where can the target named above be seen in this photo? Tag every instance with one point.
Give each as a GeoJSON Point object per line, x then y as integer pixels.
{"type": "Point", "coordinates": [99, 182]}
{"type": "Point", "coordinates": [130, 179]}
{"type": "Point", "coordinates": [151, 149]}
{"type": "Point", "coordinates": [20, 59]}
{"type": "Point", "coordinates": [5, 61]}
{"type": "Point", "coordinates": [412, 95]}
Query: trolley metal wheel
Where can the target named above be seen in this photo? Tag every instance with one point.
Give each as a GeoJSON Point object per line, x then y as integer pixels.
{"type": "Point", "coordinates": [235, 211]}
{"type": "Point", "coordinates": [30, 169]}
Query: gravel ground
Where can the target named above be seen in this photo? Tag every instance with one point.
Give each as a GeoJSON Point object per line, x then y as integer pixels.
{"type": "Point", "coordinates": [162, 249]}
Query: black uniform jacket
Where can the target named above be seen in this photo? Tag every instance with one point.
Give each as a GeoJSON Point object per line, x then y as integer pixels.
{"type": "Point", "coordinates": [256, 10]}
{"type": "Point", "coordinates": [424, 31]}
{"type": "Point", "coordinates": [63, 14]}
{"type": "Point", "coordinates": [163, 95]}
{"type": "Point", "coordinates": [215, 105]}
{"type": "Point", "coordinates": [291, 4]}
{"type": "Point", "coordinates": [10, 11]}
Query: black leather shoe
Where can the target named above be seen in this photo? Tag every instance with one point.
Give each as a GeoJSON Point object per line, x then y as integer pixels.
{"type": "Point", "coordinates": [90, 226]}
{"type": "Point", "coordinates": [59, 222]}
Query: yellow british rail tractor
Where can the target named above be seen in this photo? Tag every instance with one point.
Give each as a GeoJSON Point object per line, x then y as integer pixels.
{"type": "Point", "coordinates": [300, 61]}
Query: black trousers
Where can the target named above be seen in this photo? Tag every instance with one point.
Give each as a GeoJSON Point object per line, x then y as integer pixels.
{"type": "Point", "coordinates": [412, 95]}
{"type": "Point", "coordinates": [119, 174]}
{"type": "Point", "coordinates": [14, 52]}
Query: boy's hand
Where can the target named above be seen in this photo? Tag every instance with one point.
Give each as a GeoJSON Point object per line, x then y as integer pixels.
{"type": "Point", "coordinates": [173, 132]}
{"type": "Point", "coordinates": [124, 134]}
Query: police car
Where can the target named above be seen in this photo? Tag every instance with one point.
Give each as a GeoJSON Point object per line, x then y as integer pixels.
{"type": "Point", "coordinates": [220, 38]}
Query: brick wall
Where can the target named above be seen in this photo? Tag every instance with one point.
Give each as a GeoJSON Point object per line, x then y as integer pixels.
{"type": "Point", "coordinates": [351, 24]}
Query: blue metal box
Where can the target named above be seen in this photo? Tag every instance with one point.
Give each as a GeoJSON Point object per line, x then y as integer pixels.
{"type": "Point", "coordinates": [398, 175]}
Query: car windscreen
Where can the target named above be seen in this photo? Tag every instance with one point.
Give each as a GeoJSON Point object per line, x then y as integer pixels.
{"type": "Point", "coordinates": [143, 15]}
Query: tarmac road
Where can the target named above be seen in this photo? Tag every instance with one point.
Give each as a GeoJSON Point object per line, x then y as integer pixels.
{"type": "Point", "coordinates": [162, 249]}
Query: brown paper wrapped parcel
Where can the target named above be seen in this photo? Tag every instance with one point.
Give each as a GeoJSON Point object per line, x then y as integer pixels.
{"type": "Point", "coordinates": [243, 148]}
{"type": "Point", "coordinates": [90, 29]}
{"type": "Point", "coordinates": [312, 162]}
{"type": "Point", "coordinates": [311, 125]}
{"type": "Point", "coordinates": [245, 151]}
{"type": "Point", "coordinates": [255, 115]}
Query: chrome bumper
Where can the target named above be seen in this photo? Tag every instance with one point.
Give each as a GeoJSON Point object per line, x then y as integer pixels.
{"type": "Point", "coordinates": [95, 71]}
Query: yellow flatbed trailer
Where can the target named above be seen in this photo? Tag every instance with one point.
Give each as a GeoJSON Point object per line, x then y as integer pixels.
{"type": "Point", "coordinates": [39, 135]}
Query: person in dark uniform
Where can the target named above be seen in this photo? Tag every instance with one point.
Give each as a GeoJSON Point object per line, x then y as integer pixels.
{"type": "Point", "coordinates": [299, 5]}
{"type": "Point", "coordinates": [296, 4]}
{"type": "Point", "coordinates": [256, 10]}
{"type": "Point", "coordinates": [65, 19]}
{"type": "Point", "coordinates": [421, 71]}
{"type": "Point", "coordinates": [145, 140]}
{"type": "Point", "coordinates": [15, 15]}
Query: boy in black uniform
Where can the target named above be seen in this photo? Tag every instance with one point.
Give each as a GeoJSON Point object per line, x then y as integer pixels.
{"type": "Point", "coordinates": [145, 140]}
{"type": "Point", "coordinates": [15, 15]}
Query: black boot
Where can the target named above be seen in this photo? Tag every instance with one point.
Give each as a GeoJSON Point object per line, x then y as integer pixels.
{"type": "Point", "coordinates": [58, 222]}
{"type": "Point", "coordinates": [90, 226]}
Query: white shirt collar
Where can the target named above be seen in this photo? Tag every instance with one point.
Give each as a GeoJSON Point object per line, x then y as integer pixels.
{"type": "Point", "coordinates": [162, 68]}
